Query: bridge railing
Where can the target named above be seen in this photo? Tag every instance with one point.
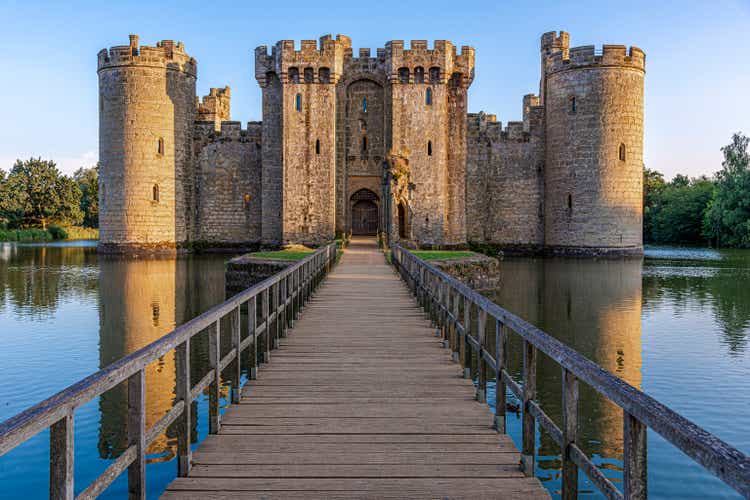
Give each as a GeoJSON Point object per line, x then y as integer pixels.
{"type": "Point", "coordinates": [446, 299]}
{"type": "Point", "coordinates": [288, 290]}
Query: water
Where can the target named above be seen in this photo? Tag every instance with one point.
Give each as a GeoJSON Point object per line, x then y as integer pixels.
{"type": "Point", "coordinates": [674, 324]}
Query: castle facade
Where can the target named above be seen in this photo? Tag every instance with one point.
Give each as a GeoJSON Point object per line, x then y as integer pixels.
{"type": "Point", "coordinates": [372, 144]}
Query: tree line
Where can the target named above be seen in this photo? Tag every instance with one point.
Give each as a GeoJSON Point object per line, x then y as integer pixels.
{"type": "Point", "coordinates": [34, 194]}
{"type": "Point", "coordinates": [701, 210]}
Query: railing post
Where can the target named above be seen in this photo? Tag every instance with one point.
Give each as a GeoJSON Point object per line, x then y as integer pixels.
{"type": "Point", "coordinates": [267, 329]}
{"type": "Point", "coordinates": [214, 359]}
{"type": "Point", "coordinates": [456, 337]}
{"type": "Point", "coordinates": [501, 334]}
{"type": "Point", "coordinates": [182, 389]}
{"type": "Point", "coordinates": [529, 393]}
{"type": "Point", "coordinates": [137, 435]}
{"type": "Point", "coordinates": [569, 433]}
{"type": "Point", "coordinates": [635, 473]}
{"type": "Point", "coordinates": [252, 305]}
{"type": "Point", "coordinates": [482, 385]}
{"type": "Point", "coordinates": [277, 310]}
{"type": "Point", "coordinates": [236, 318]}
{"type": "Point", "coordinates": [465, 346]}
{"type": "Point", "coordinates": [61, 455]}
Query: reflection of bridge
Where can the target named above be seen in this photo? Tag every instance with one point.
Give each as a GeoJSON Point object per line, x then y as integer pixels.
{"type": "Point", "coordinates": [361, 401]}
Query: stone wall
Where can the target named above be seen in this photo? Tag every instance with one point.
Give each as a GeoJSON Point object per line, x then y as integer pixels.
{"type": "Point", "coordinates": [146, 113]}
{"type": "Point", "coordinates": [505, 182]}
{"type": "Point", "coordinates": [228, 179]}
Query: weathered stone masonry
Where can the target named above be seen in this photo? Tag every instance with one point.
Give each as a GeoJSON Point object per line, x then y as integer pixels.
{"type": "Point", "coordinates": [177, 172]}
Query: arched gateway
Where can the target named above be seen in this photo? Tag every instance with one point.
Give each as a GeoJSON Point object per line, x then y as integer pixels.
{"type": "Point", "coordinates": [365, 212]}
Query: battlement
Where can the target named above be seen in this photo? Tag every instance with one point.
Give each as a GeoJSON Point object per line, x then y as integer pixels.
{"type": "Point", "coordinates": [206, 131]}
{"type": "Point", "coordinates": [443, 57]}
{"type": "Point", "coordinates": [588, 56]}
{"type": "Point", "coordinates": [166, 53]}
{"type": "Point", "coordinates": [214, 106]}
{"type": "Point", "coordinates": [323, 60]}
{"type": "Point", "coordinates": [553, 41]}
{"type": "Point", "coordinates": [488, 126]}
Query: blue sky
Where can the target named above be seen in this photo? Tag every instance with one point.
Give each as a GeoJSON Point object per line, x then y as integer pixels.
{"type": "Point", "coordinates": [697, 80]}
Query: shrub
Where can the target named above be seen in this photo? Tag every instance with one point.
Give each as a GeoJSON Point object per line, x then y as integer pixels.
{"type": "Point", "coordinates": [57, 232]}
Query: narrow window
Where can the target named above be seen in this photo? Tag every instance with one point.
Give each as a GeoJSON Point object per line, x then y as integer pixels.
{"type": "Point", "coordinates": [309, 75]}
{"type": "Point", "coordinates": [298, 102]}
{"type": "Point", "coordinates": [573, 107]}
{"type": "Point", "coordinates": [317, 146]}
{"type": "Point", "coordinates": [435, 74]}
{"type": "Point", "coordinates": [293, 74]}
{"type": "Point", "coordinates": [622, 152]}
{"type": "Point", "coordinates": [364, 104]}
{"type": "Point", "coordinates": [155, 193]}
{"type": "Point", "coordinates": [364, 144]}
{"type": "Point", "coordinates": [419, 74]}
{"type": "Point", "coordinates": [247, 199]}
{"type": "Point", "coordinates": [570, 202]}
{"type": "Point", "coordinates": [403, 75]}
{"type": "Point", "coordinates": [155, 314]}
{"type": "Point", "coordinates": [429, 148]}
{"type": "Point", "coordinates": [160, 146]}
{"type": "Point", "coordinates": [428, 97]}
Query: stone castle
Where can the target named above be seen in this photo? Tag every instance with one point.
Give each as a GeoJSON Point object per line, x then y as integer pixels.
{"type": "Point", "coordinates": [372, 144]}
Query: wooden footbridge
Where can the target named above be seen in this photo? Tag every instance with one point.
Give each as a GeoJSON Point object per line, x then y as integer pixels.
{"type": "Point", "coordinates": [361, 399]}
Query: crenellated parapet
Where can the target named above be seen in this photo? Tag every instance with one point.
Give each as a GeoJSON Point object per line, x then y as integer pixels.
{"type": "Point", "coordinates": [314, 62]}
{"type": "Point", "coordinates": [438, 65]}
{"type": "Point", "coordinates": [167, 53]}
{"type": "Point", "coordinates": [214, 107]}
{"type": "Point", "coordinates": [206, 133]}
{"type": "Point", "coordinates": [589, 56]}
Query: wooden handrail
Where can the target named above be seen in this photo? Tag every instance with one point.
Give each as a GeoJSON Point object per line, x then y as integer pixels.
{"type": "Point", "coordinates": [640, 410]}
{"type": "Point", "coordinates": [57, 411]}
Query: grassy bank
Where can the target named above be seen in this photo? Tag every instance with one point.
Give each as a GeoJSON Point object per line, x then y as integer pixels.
{"type": "Point", "coordinates": [288, 254]}
{"type": "Point", "coordinates": [442, 254]}
{"type": "Point", "coordinates": [52, 233]}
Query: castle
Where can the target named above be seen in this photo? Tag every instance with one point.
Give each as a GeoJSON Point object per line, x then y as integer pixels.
{"type": "Point", "coordinates": [373, 144]}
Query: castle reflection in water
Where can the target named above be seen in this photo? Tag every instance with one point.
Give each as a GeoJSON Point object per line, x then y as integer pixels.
{"type": "Point", "coordinates": [141, 301]}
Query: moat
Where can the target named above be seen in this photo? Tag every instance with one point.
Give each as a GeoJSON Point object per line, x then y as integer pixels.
{"type": "Point", "coordinates": [676, 325]}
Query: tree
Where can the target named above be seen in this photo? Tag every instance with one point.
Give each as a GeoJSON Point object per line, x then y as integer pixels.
{"type": "Point", "coordinates": [38, 194]}
{"type": "Point", "coordinates": [679, 214]}
{"type": "Point", "coordinates": [727, 220]}
{"type": "Point", "coordinates": [653, 186]}
{"type": "Point", "coordinates": [88, 181]}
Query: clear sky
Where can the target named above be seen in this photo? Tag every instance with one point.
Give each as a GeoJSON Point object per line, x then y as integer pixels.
{"type": "Point", "coordinates": [697, 60]}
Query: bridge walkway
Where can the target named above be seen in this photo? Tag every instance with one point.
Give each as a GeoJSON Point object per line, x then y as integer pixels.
{"type": "Point", "coordinates": [359, 401]}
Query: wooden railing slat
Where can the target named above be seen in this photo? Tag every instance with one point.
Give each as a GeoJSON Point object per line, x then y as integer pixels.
{"type": "Point", "coordinates": [182, 390]}
{"type": "Point", "coordinates": [569, 435]}
{"type": "Point", "coordinates": [61, 453]}
{"type": "Point", "coordinates": [214, 350]}
{"type": "Point", "coordinates": [634, 459]}
{"type": "Point", "coordinates": [137, 435]}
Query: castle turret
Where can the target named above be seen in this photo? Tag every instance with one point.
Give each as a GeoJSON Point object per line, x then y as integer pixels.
{"type": "Point", "coordinates": [214, 107]}
{"type": "Point", "coordinates": [594, 147]}
{"type": "Point", "coordinates": [146, 114]}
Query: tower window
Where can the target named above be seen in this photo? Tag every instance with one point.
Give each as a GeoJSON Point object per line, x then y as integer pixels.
{"type": "Point", "coordinates": [622, 152]}
{"type": "Point", "coordinates": [434, 74]}
{"type": "Point", "coordinates": [324, 75]}
{"type": "Point", "coordinates": [293, 74]}
{"type": "Point", "coordinates": [247, 199]}
{"type": "Point", "coordinates": [364, 104]}
{"type": "Point", "coordinates": [419, 74]}
{"type": "Point", "coordinates": [160, 146]}
{"type": "Point", "coordinates": [317, 146]}
{"type": "Point", "coordinates": [309, 75]}
{"type": "Point", "coordinates": [429, 148]}
{"type": "Point", "coordinates": [298, 102]}
{"type": "Point", "coordinates": [570, 202]}
{"type": "Point", "coordinates": [573, 107]}
{"type": "Point", "coordinates": [428, 97]}
{"type": "Point", "coordinates": [403, 75]}
{"type": "Point", "coordinates": [155, 193]}
{"type": "Point", "coordinates": [364, 144]}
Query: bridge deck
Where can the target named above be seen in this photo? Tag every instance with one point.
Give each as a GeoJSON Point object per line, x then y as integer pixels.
{"type": "Point", "coordinates": [359, 401]}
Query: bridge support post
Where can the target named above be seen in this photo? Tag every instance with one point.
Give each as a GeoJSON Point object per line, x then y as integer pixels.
{"type": "Point", "coordinates": [500, 391]}
{"type": "Point", "coordinates": [635, 473]}
{"type": "Point", "coordinates": [569, 434]}
{"type": "Point", "coordinates": [182, 389]}
{"type": "Point", "coordinates": [529, 393]}
{"type": "Point", "coordinates": [214, 357]}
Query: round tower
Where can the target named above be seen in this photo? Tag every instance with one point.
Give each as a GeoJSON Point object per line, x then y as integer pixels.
{"type": "Point", "coordinates": [594, 148]}
{"type": "Point", "coordinates": [146, 116]}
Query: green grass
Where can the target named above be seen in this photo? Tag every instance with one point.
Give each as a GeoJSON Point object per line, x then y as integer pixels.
{"type": "Point", "coordinates": [283, 254]}
{"type": "Point", "coordinates": [53, 232]}
{"type": "Point", "coordinates": [81, 233]}
{"type": "Point", "coordinates": [442, 254]}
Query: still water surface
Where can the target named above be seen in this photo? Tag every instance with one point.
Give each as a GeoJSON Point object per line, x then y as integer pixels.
{"type": "Point", "coordinates": [675, 325]}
